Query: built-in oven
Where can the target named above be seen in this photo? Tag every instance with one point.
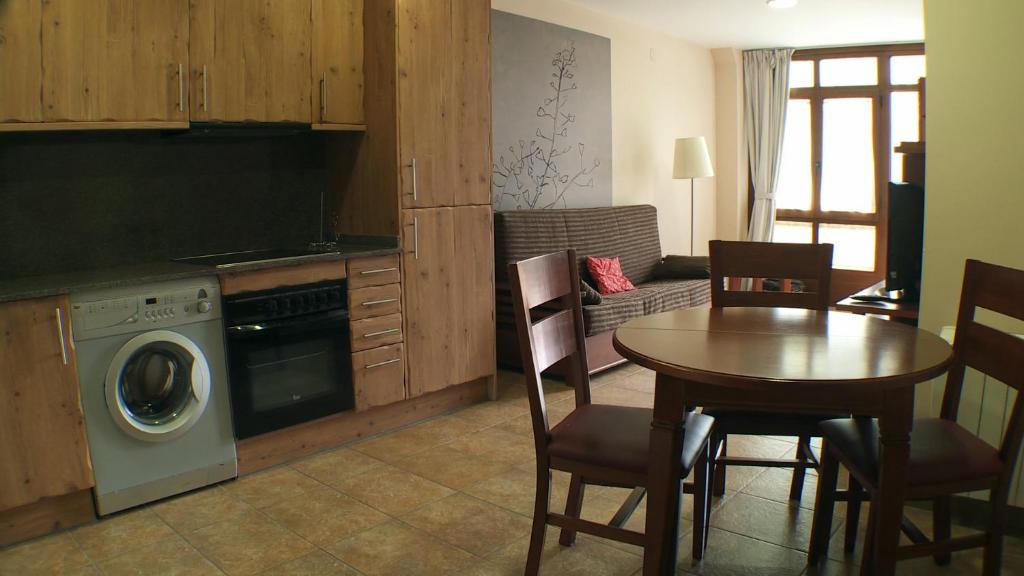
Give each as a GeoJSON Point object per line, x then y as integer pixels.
{"type": "Point", "coordinates": [289, 356]}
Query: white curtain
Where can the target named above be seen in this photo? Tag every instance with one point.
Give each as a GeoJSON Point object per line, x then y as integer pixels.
{"type": "Point", "coordinates": [766, 94]}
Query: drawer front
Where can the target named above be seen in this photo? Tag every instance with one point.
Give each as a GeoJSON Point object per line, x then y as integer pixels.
{"type": "Point", "coordinates": [377, 331]}
{"type": "Point", "coordinates": [374, 301]}
{"type": "Point", "coordinates": [378, 376]}
{"type": "Point", "coordinates": [375, 271]}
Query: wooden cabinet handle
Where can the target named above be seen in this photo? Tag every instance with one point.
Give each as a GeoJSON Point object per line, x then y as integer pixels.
{"type": "Point", "coordinates": [381, 332]}
{"type": "Point", "coordinates": [375, 302]}
{"type": "Point", "coordinates": [378, 270]}
{"type": "Point", "coordinates": [414, 190]}
{"type": "Point", "coordinates": [60, 333]}
{"type": "Point", "coordinates": [384, 363]}
{"type": "Point", "coordinates": [181, 88]}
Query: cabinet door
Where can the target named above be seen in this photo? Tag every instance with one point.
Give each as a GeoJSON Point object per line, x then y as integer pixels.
{"type": "Point", "coordinates": [115, 60]}
{"type": "Point", "coordinates": [338, 61]}
{"type": "Point", "coordinates": [473, 293]}
{"type": "Point", "coordinates": [470, 123]}
{"type": "Point", "coordinates": [250, 60]}
{"type": "Point", "coordinates": [427, 267]}
{"type": "Point", "coordinates": [424, 73]}
{"type": "Point", "coordinates": [42, 433]}
{"type": "Point", "coordinates": [20, 61]}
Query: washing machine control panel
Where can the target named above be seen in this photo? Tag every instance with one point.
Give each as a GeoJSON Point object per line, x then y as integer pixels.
{"type": "Point", "coordinates": [149, 310]}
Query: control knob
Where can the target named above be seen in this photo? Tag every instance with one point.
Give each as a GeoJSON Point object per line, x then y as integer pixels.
{"type": "Point", "coordinates": [203, 307]}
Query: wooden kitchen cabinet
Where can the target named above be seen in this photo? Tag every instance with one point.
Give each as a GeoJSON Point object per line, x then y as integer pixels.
{"type": "Point", "coordinates": [448, 271]}
{"type": "Point", "coordinates": [21, 48]}
{"type": "Point", "coordinates": [115, 61]}
{"type": "Point", "coordinates": [337, 62]}
{"type": "Point", "coordinates": [250, 60]}
{"type": "Point", "coordinates": [43, 446]}
{"type": "Point", "coordinates": [444, 103]}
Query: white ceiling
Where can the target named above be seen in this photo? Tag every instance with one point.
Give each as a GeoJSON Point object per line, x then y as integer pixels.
{"type": "Point", "coordinates": [751, 24]}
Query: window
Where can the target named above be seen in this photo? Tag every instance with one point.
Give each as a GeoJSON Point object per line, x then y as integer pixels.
{"type": "Point", "coordinates": [848, 108]}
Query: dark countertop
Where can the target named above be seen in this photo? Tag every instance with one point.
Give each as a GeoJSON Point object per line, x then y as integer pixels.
{"type": "Point", "coordinates": [153, 272]}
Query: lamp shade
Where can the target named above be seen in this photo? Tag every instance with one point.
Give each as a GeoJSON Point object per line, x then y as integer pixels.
{"type": "Point", "coordinates": [692, 159]}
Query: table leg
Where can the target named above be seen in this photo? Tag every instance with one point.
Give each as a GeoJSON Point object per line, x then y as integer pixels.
{"type": "Point", "coordinates": [894, 429]}
{"type": "Point", "coordinates": [663, 477]}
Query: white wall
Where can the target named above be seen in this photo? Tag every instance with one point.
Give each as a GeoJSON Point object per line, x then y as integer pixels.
{"type": "Point", "coordinates": [662, 88]}
{"type": "Point", "coordinates": [731, 173]}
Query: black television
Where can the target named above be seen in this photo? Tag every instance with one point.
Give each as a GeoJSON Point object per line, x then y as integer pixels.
{"type": "Point", "coordinates": [905, 248]}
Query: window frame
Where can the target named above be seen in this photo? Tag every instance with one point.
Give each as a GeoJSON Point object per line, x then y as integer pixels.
{"type": "Point", "coordinates": [845, 282]}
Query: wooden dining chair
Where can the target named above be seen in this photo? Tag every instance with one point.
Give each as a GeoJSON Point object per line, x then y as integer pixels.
{"type": "Point", "coordinates": [738, 274]}
{"type": "Point", "coordinates": [596, 444]}
{"type": "Point", "coordinates": [945, 458]}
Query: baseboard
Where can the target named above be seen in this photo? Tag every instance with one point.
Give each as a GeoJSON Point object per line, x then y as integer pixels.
{"type": "Point", "coordinates": [46, 516]}
{"type": "Point", "coordinates": [973, 513]}
{"type": "Point", "coordinates": [282, 446]}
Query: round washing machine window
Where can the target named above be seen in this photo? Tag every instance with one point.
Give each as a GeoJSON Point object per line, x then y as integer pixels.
{"type": "Point", "coordinates": [158, 385]}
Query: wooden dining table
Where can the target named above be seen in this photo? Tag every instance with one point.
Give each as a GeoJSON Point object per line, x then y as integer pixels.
{"type": "Point", "coordinates": [778, 359]}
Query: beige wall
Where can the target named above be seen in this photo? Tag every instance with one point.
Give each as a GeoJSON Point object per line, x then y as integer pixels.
{"type": "Point", "coordinates": [974, 206]}
{"type": "Point", "coordinates": [731, 169]}
{"type": "Point", "coordinates": [662, 89]}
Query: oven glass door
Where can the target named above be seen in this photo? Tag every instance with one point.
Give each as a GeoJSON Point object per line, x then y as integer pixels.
{"type": "Point", "coordinates": [289, 371]}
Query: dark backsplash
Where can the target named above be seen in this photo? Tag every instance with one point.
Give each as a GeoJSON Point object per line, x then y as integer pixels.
{"type": "Point", "coordinates": [81, 201]}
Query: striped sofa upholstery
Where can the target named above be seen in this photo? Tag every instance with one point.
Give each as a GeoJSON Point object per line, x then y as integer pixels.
{"type": "Point", "coordinates": [629, 232]}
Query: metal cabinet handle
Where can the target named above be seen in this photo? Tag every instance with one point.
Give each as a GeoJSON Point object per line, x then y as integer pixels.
{"type": "Point", "coordinates": [414, 187]}
{"type": "Point", "coordinates": [416, 237]}
{"type": "Point", "coordinates": [205, 107]}
{"type": "Point", "coordinates": [379, 270]}
{"type": "Point", "coordinates": [375, 302]}
{"type": "Point", "coordinates": [384, 363]}
{"type": "Point", "coordinates": [323, 97]}
{"type": "Point", "coordinates": [181, 88]}
{"type": "Point", "coordinates": [60, 333]}
{"type": "Point", "coordinates": [381, 332]}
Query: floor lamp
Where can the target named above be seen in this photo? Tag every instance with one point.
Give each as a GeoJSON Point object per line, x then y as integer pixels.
{"type": "Point", "coordinates": [691, 161]}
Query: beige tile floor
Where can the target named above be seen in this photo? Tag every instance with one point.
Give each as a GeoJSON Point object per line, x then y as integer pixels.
{"type": "Point", "coordinates": [452, 495]}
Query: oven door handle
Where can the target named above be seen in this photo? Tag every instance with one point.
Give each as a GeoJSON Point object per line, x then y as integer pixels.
{"type": "Point", "coordinates": [310, 322]}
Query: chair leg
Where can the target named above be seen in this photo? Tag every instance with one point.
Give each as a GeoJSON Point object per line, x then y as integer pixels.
{"type": "Point", "coordinates": [719, 469]}
{"type": "Point", "coordinates": [853, 515]}
{"type": "Point", "coordinates": [796, 486]}
{"type": "Point", "coordinates": [701, 503]}
{"type": "Point", "coordinates": [824, 507]}
{"type": "Point", "coordinates": [941, 526]}
{"type": "Point", "coordinates": [993, 562]}
{"type": "Point", "coordinates": [540, 521]}
{"type": "Point", "coordinates": [867, 558]}
{"type": "Point", "coordinates": [573, 506]}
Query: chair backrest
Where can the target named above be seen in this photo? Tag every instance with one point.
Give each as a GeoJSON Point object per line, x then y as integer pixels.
{"type": "Point", "coordinates": [549, 322]}
{"type": "Point", "coordinates": [995, 353]}
{"type": "Point", "coordinates": [811, 264]}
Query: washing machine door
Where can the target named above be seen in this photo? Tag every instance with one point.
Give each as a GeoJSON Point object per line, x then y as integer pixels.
{"type": "Point", "coordinates": [158, 385]}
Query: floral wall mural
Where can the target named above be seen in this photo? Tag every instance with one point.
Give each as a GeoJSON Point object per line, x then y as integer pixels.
{"type": "Point", "coordinates": [551, 115]}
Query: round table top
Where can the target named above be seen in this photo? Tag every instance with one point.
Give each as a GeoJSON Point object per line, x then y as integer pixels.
{"type": "Point", "coordinates": [744, 347]}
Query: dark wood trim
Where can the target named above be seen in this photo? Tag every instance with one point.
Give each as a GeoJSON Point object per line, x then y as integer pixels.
{"type": "Point", "coordinates": [909, 49]}
{"type": "Point", "coordinates": [281, 446]}
{"type": "Point", "coordinates": [46, 516]}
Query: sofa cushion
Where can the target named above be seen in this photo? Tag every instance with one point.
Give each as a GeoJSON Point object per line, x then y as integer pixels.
{"type": "Point", "coordinates": [648, 298]}
{"type": "Point", "coordinates": [589, 294]}
{"type": "Point", "coordinates": [629, 232]}
{"type": "Point", "coordinates": [608, 274]}
{"type": "Point", "coordinates": [683, 268]}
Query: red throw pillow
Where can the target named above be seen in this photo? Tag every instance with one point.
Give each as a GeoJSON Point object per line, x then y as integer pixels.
{"type": "Point", "coordinates": [607, 272]}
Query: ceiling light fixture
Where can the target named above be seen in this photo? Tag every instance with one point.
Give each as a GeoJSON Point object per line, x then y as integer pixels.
{"type": "Point", "coordinates": [781, 4]}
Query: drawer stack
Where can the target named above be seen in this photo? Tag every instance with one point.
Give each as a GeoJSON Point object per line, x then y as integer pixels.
{"type": "Point", "coordinates": [375, 312]}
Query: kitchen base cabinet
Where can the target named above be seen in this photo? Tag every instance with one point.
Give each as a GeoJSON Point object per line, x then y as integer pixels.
{"type": "Point", "coordinates": [46, 516]}
{"type": "Point", "coordinates": [378, 376]}
{"type": "Point", "coordinates": [42, 431]}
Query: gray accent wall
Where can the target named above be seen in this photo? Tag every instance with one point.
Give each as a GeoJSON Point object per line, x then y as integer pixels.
{"type": "Point", "coordinates": [76, 201]}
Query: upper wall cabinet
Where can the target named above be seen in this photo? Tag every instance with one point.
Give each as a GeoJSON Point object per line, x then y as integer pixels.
{"type": "Point", "coordinates": [113, 60]}
{"type": "Point", "coordinates": [21, 77]}
{"type": "Point", "coordinates": [250, 60]}
{"type": "Point", "coordinates": [338, 62]}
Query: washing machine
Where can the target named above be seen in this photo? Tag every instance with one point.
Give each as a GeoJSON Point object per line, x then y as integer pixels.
{"type": "Point", "coordinates": [152, 369]}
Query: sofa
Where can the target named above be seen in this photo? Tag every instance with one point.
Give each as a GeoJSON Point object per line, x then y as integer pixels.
{"type": "Point", "coordinates": [629, 232]}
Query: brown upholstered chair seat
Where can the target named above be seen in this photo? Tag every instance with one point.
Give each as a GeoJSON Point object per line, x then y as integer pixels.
{"type": "Point", "coordinates": [617, 437]}
{"type": "Point", "coordinates": [736, 421]}
{"type": "Point", "coordinates": [941, 451]}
